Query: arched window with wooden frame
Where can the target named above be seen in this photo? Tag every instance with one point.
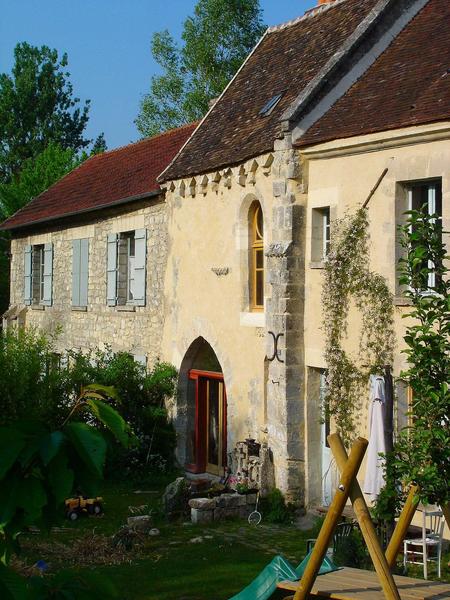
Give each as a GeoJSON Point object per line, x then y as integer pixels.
{"type": "Point", "coordinates": [257, 257]}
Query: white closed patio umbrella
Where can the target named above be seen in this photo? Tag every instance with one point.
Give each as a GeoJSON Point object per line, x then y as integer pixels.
{"type": "Point", "coordinates": [374, 480]}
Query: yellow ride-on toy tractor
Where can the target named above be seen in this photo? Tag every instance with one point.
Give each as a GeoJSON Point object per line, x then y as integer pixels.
{"type": "Point", "coordinates": [75, 507]}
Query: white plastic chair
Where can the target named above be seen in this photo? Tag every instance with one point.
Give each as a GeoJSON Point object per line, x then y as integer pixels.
{"type": "Point", "coordinates": [432, 531]}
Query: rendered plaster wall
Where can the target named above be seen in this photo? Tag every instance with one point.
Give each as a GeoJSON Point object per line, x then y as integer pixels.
{"type": "Point", "coordinates": [207, 295]}
{"type": "Point", "coordinates": [344, 182]}
{"type": "Point", "coordinates": [137, 329]}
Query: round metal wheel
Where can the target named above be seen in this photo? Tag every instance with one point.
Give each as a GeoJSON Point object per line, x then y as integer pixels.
{"type": "Point", "coordinates": [98, 509]}
{"type": "Point", "coordinates": [95, 509]}
{"type": "Point", "coordinates": [254, 518]}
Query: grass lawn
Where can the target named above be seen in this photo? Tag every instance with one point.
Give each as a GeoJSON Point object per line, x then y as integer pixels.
{"type": "Point", "coordinates": [169, 566]}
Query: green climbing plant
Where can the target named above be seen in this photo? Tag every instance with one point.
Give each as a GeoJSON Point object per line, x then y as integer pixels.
{"type": "Point", "coordinates": [349, 280]}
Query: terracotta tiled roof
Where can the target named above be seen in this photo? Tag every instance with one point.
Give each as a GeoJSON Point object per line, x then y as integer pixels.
{"type": "Point", "coordinates": [286, 60]}
{"type": "Point", "coordinates": [408, 85]}
{"type": "Point", "coordinates": [105, 179]}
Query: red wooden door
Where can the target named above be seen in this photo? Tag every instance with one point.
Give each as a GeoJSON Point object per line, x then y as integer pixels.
{"type": "Point", "coordinates": [210, 435]}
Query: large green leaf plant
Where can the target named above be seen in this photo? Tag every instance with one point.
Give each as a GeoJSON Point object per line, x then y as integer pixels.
{"type": "Point", "coordinates": [40, 467]}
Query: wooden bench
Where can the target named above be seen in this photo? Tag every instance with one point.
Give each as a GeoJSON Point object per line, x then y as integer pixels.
{"type": "Point", "coordinates": [357, 584]}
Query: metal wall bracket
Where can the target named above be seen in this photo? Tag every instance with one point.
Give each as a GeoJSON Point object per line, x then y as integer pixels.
{"type": "Point", "coordinates": [275, 354]}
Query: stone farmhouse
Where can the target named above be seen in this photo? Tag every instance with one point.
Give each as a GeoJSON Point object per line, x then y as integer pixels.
{"type": "Point", "coordinates": [237, 232]}
{"type": "Point", "coordinates": [80, 252]}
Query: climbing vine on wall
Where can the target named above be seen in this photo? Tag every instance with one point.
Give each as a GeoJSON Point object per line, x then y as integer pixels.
{"type": "Point", "coordinates": [348, 280]}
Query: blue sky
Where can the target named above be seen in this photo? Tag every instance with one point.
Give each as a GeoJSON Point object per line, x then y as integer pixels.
{"type": "Point", "coordinates": [108, 43]}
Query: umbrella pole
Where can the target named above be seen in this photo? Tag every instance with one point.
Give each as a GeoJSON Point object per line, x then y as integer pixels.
{"type": "Point", "coordinates": [389, 409]}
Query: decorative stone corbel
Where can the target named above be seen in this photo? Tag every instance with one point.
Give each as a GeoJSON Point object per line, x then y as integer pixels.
{"type": "Point", "coordinates": [253, 167]}
{"type": "Point", "coordinates": [267, 164]}
{"type": "Point", "coordinates": [192, 187]}
{"type": "Point", "coordinates": [215, 180]}
{"type": "Point", "coordinates": [241, 176]}
{"type": "Point", "coordinates": [227, 176]}
{"type": "Point", "coordinates": [182, 189]}
{"type": "Point", "coordinates": [204, 184]}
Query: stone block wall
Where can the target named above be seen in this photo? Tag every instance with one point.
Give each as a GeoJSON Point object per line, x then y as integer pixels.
{"type": "Point", "coordinates": [208, 295]}
{"type": "Point", "coordinates": [221, 508]}
{"type": "Point", "coordinates": [133, 329]}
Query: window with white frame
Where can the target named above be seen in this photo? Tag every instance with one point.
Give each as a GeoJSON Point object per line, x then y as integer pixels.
{"type": "Point", "coordinates": [126, 268]}
{"type": "Point", "coordinates": [38, 274]}
{"type": "Point", "coordinates": [320, 233]}
{"type": "Point", "coordinates": [426, 197]}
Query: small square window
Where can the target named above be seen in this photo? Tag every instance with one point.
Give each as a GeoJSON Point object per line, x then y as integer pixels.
{"type": "Point", "coordinates": [320, 234]}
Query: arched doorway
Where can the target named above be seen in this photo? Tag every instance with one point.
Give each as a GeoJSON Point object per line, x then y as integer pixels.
{"type": "Point", "coordinates": [206, 410]}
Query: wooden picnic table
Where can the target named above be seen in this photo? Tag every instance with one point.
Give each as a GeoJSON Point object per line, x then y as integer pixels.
{"type": "Point", "coordinates": [357, 584]}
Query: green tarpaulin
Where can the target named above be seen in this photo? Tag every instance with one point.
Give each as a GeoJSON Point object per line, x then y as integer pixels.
{"type": "Point", "coordinates": [278, 570]}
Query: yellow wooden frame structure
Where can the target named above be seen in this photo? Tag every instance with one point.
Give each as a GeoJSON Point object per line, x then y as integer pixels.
{"type": "Point", "coordinates": [348, 487]}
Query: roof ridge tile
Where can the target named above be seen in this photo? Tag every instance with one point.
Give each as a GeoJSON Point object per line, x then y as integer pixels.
{"type": "Point", "coordinates": [310, 13]}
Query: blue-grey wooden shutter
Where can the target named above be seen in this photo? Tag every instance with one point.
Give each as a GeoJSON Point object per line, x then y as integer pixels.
{"type": "Point", "coordinates": [111, 270]}
{"type": "Point", "coordinates": [140, 359]}
{"type": "Point", "coordinates": [84, 271]}
{"type": "Point", "coordinates": [28, 284]}
{"type": "Point", "coordinates": [48, 274]}
{"type": "Point", "coordinates": [140, 259]}
{"type": "Point", "coordinates": [76, 252]}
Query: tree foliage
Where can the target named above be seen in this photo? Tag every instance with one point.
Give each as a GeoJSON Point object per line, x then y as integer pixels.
{"type": "Point", "coordinates": [422, 452]}
{"type": "Point", "coordinates": [37, 106]}
{"type": "Point", "coordinates": [36, 175]}
{"type": "Point", "coordinates": [215, 42]}
{"type": "Point", "coordinates": [40, 467]}
{"type": "Point", "coordinates": [50, 383]}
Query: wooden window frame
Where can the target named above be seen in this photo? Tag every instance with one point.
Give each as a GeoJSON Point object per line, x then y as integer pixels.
{"type": "Point", "coordinates": [257, 245]}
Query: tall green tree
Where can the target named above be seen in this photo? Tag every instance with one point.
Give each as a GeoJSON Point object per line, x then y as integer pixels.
{"type": "Point", "coordinates": [37, 106]}
{"type": "Point", "coordinates": [422, 452]}
{"type": "Point", "coordinates": [215, 42]}
{"type": "Point", "coordinates": [36, 175]}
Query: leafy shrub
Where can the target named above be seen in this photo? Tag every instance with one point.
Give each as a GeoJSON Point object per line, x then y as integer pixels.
{"type": "Point", "coordinates": [29, 386]}
{"type": "Point", "coordinates": [39, 468]}
{"type": "Point", "coordinates": [274, 508]}
{"type": "Point", "coordinates": [142, 404]}
{"type": "Point", "coordinates": [352, 551]}
{"type": "Point", "coordinates": [37, 384]}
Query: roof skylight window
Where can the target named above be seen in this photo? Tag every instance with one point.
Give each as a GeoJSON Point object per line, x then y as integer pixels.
{"type": "Point", "coordinates": [270, 105]}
